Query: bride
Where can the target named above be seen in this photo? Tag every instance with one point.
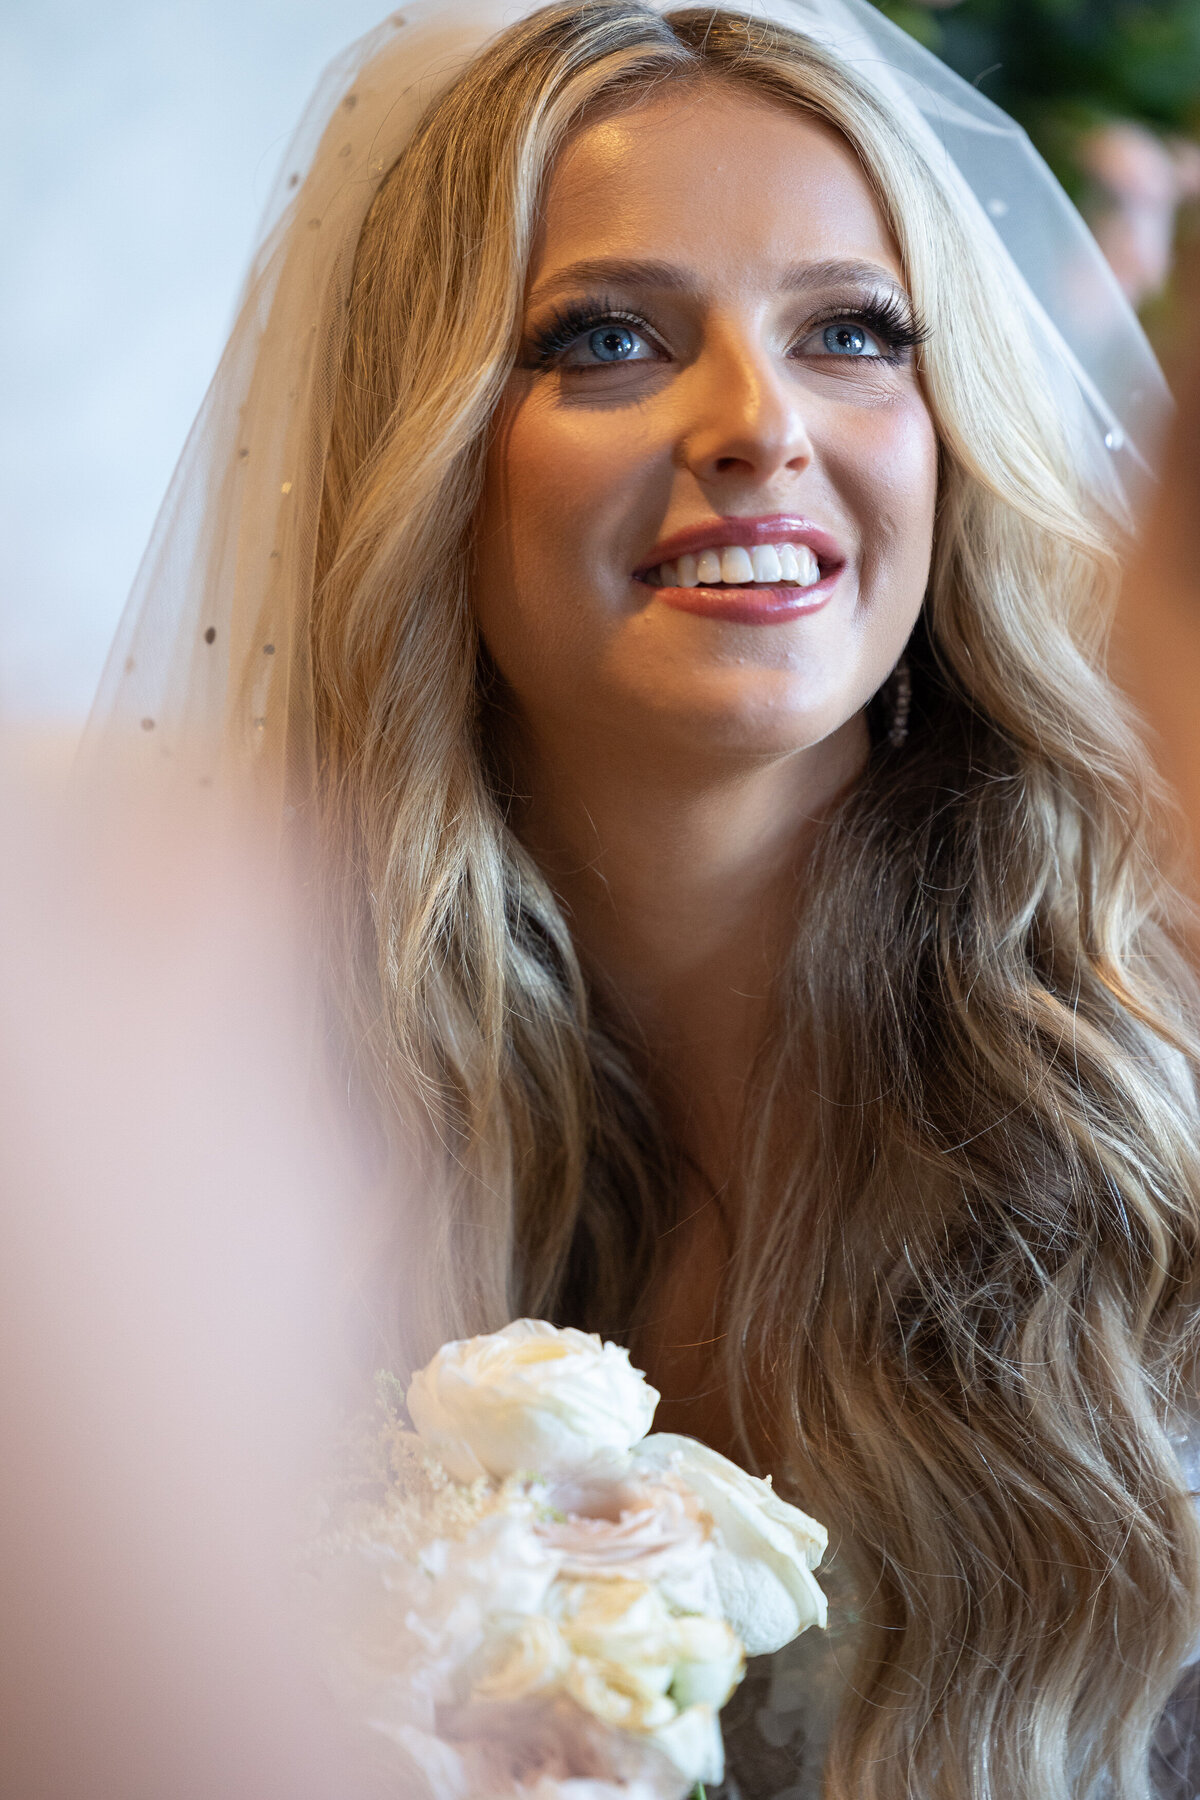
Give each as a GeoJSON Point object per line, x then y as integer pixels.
{"type": "Point", "coordinates": [655, 537]}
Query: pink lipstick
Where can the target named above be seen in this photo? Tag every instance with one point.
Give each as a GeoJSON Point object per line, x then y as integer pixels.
{"type": "Point", "coordinates": [747, 571]}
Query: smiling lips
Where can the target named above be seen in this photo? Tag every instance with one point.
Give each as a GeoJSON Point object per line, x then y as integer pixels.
{"type": "Point", "coordinates": [747, 571]}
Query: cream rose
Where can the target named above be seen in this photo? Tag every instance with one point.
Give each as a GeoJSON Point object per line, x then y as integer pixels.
{"type": "Point", "coordinates": [623, 1634]}
{"type": "Point", "coordinates": [530, 1397]}
{"type": "Point", "coordinates": [639, 1667]}
{"type": "Point", "coordinates": [765, 1550]}
{"type": "Point", "coordinates": [526, 1660]}
{"type": "Point", "coordinates": [647, 1530]}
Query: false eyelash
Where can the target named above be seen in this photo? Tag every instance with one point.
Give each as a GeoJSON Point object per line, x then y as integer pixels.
{"type": "Point", "coordinates": [569, 323]}
{"type": "Point", "coordinates": [886, 316]}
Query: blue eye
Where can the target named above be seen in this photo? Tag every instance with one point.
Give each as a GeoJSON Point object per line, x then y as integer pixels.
{"type": "Point", "coordinates": [848, 340]}
{"type": "Point", "coordinates": [592, 334]}
{"type": "Point", "coordinates": [612, 343]}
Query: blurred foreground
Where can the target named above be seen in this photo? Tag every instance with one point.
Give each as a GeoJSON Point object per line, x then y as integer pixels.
{"type": "Point", "coordinates": [170, 1346]}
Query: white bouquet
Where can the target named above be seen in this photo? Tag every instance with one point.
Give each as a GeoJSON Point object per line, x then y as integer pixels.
{"type": "Point", "coordinates": [537, 1601]}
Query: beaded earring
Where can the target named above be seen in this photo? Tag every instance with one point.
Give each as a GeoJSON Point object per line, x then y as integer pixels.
{"type": "Point", "coordinates": [900, 704]}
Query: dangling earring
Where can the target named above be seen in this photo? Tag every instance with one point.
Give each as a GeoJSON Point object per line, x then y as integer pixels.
{"type": "Point", "coordinates": [900, 698]}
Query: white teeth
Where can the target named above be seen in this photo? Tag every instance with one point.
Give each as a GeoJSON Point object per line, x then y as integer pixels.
{"type": "Point", "coordinates": [799, 564]}
{"type": "Point", "coordinates": [765, 559]}
{"type": "Point", "coordinates": [810, 568]}
{"type": "Point", "coordinates": [736, 567]}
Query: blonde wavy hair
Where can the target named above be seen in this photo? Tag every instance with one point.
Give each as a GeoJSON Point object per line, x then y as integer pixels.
{"type": "Point", "coordinates": [964, 1303]}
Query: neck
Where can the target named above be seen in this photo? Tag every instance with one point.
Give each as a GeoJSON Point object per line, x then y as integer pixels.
{"type": "Point", "coordinates": [681, 886]}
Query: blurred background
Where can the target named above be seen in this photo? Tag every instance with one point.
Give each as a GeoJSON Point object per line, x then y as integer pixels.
{"type": "Point", "coordinates": [1109, 91]}
{"type": "Point", "coordinates": [140, 140]}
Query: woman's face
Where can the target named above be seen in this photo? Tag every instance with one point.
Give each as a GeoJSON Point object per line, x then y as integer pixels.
{"type": "Point", "coordinates": [709, 496]}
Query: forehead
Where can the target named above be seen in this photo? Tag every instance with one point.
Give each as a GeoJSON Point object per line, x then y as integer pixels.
{"type": "Point", "coordinates": [721, 181]}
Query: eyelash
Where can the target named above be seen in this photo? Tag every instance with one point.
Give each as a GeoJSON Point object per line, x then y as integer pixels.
{"type": "Point", "coordinates": [885, 316]}
{"type": "Point", "coordinates": [569, 323]}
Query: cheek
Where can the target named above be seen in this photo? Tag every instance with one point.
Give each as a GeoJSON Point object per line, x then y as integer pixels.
{"type": "Point", "coordinates": [566, 471]}
{"type": "Point", "coordinates": [890, 479]}
{"type": "Point", "coordinates": [552, 482]}
{"type": "Point", "coordinates": [566, 491]}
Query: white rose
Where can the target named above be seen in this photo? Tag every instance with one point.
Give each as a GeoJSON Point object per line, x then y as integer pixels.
{"type": "Point", "coordinates": [692, 1742]}
{"type": "Point", "coordinates": [765, 1550]}
{"type": "Point", "coordinates": [500, 1566]}
{"type": "Point", "coordinates": [710, 1662]}
{"type": "Point", "coordinates": [530, 1397]}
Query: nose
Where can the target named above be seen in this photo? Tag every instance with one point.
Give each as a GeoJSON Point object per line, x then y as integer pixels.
{"type": "Point", "coordinates": [745, 418]}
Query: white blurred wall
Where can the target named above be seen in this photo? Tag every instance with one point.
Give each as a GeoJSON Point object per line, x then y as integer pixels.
{"type": "Point", "coordinates": [138, 142]}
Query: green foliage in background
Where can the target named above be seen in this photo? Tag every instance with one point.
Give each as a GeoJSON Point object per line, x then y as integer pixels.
{"type": "Point", "coordinates": [1063, 66]}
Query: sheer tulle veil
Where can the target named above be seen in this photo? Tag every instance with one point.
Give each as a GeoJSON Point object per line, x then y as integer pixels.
{"type": "Point", "coordinates": [209, 675]}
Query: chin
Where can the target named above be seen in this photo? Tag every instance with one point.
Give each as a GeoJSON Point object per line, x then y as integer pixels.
{"type": "Point", "coordinates": [768, 721]}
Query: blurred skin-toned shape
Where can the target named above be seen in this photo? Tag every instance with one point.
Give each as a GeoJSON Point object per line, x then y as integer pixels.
{"type": "Point", "coordinates": [1156, 645]}
{"type": "Point", "coordinates": [1141, 181]}
{"type": "Point", "coordinates": [167, 1352]}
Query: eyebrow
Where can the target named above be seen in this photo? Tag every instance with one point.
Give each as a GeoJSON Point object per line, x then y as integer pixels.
{"type": "Point", "coordinates": [668, 277]}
